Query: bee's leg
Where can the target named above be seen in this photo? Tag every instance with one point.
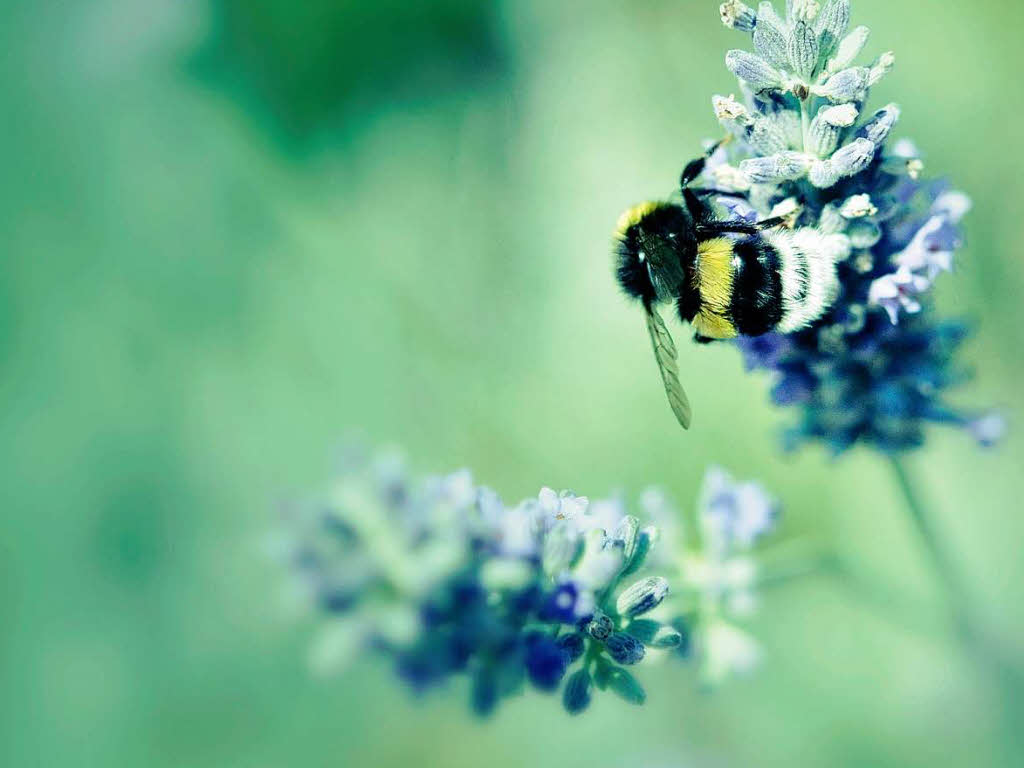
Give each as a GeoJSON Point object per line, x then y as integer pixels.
{"type": "Point", "coordinates": [699, 210]}
{"type": "Point", "coordinates": [695, 168]}
{"type": "Point", "coordinates": [713, 228]}
{"type": "Point", "coordinates": [778, 221]}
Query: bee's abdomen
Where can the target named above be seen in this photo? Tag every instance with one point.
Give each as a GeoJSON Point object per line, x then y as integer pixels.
{"type": "Point", "coordinates": [757, 297]}
{"type": "Point", "coordinates": [807, 271]}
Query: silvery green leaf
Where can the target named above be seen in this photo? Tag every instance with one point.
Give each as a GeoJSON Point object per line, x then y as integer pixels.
{"type": "Point", "coordinates": [770, 41]}
{"type": "Point", "coordinates": [864, 234]}
{"type": "Point", "coordinates": [802, 49]}
{"type": "Point", "coordinates": [753, 70]}
{"type": "Point", "coordinates": [561, 547]}
{"type": "Point", "coordinates": [621, 682]}
{"type": "Point", "coordinates": [882, 67]}
{"type": "Point", "coordinates": [642, 596]}
{"type": "Point", "coordinates": [626, 533]}
{"type": "Point", "coordinates": [784, 166]}
{"type": "Point", "coordinates": [849, 49]}
{"type": "Point", "coordinates": [848, 85]}
{"type": "Point", "coordinates": [654, 634]}
{"type": "Point", "coordinates": [736, 15]}
{"type": "Point", "coordinates": [832, 23]}
{"type": "Point", "coordinates": [576, 696]}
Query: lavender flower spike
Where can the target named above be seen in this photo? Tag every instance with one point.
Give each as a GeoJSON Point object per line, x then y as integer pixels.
{"type": "Point", "coordinates": [876, 367]}
{"type": "Point", "coordinates": [558, 592]}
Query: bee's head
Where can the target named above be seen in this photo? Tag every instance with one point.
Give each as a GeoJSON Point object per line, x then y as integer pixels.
{"type": "Point", "coordinates": [650, 241]}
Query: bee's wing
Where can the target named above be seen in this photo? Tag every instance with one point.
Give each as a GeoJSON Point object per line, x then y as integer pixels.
{"type": "Point", "coordinates": [666, 355]}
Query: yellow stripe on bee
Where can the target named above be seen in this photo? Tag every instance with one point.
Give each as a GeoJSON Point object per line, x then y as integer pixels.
{"type": "Point", "coordinates": [714, 276]}
{"type": "Point", "coordinates": [634, 216]}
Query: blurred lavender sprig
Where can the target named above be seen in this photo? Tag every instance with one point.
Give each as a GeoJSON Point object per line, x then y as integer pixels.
{"type": "Point", "coordinates": [876, 368]}
{"type": "Point", "coordinates": [557, 593]}
{"type": "Point", "coordinates": [715, 572]}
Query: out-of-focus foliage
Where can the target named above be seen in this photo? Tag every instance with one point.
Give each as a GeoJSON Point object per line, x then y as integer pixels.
{"type": "Point", "coordinates": [307, 64]}
{"type": "Point", "coordinates": [189, 320]}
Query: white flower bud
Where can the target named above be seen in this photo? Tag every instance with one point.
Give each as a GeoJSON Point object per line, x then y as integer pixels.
{"type": "Point", "coordinates": [753, 70]}
{"type": "Point", "coordinates": [882, 67]}
{"type": "Point", "coordinates": [878, 128]}
{"type": "Point", "coordinates": [841, 116]}
{"type": "Point", "coordinates": [784, 166]}
{"type": "Point", "coordinates": [858, 206]}
{"type": "Point", "coordinates": [826, 127]}
{"type": "Point", "coordinates": [848, 85]}
{"type": "Point", "coordinates": [642, 596]}
{"type": "Point", "coordinates": [770, 40]}
{"type": "Point", "coordinates": [802, 49]}
{"type": "Point", "coordinates": [849, 49]}
{"type": "Point", "coordinates": [853, 158]}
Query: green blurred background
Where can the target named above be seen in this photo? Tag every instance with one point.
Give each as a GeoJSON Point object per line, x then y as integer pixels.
{"type": "Point", "coordinates": [237, 229]}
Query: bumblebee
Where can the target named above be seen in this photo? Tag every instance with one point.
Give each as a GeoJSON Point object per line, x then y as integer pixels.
{"type": "Point", "coordinates": [726, 278]}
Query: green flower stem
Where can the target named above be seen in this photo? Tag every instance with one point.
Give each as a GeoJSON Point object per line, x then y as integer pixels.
{"type": "Point", "coordinates": [941, 560]}
{"type": "Point", "coordinates": [1003, 670]}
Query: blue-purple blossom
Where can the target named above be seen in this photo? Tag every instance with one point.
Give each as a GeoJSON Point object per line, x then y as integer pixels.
{"type": "Point", "coordinates": [877, 367]}
{"type": "Point", "coordinates": [446, 581]}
